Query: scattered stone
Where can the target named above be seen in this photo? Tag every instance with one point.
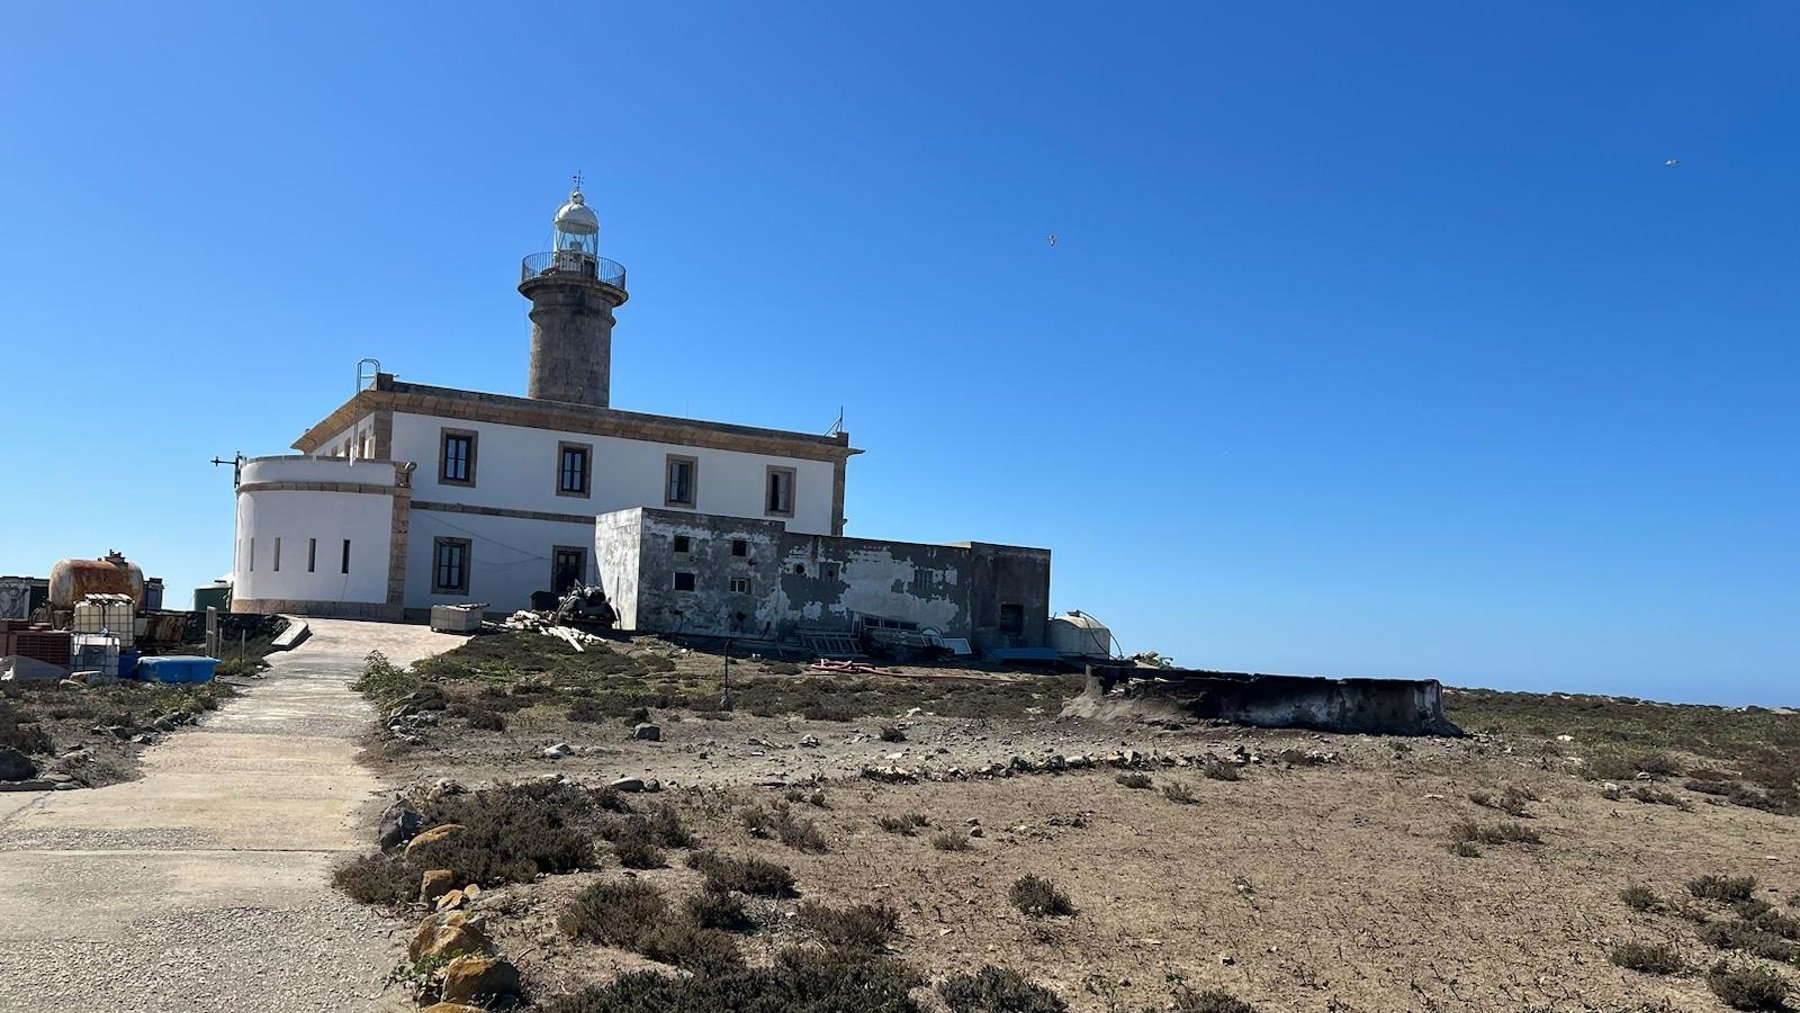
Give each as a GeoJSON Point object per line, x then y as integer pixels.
{"type": "Point", "coordinates": [451, 900]}
{"type": "Point", "coordinates": [472, 891]}
{"type": "Point", "coordinates": [445, 788]}
{"type": "Point", "coordinates": [450, 1007]}
{"type": "Point", "coordinates": [398, 825]}
{"type": "Point", "coordinates": [630, 784]}
{"type": "Point", "coordinates": [163, 724]}
{"type": "Point", "coordinates": [435, 883]}
{"type": "Point", "coordinates": [647, 732]}
{"type": "Point", "coordinates": [447, 935]}
{"type": "Point", "coordinates": [486, 977]}
{"type": "Point", "coordinates": [975, 831]}
{"type": "Point", "coordinates": [558, 751]}
{"type": "Point", "coordinates": [27, 785]}
{"type": "Point", "coordinates": [809, 741]}
{"type": "Point", "coordinates": [441, 832]}
{"type": "Point", "coordinates": [15, 766]}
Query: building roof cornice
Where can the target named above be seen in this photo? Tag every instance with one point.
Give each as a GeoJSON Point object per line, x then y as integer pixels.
{"type": "Point", "coordinates": [505, 409]}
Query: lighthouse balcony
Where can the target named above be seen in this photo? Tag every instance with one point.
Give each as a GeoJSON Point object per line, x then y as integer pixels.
{"type": "Point", "coordinates": [575, 263]}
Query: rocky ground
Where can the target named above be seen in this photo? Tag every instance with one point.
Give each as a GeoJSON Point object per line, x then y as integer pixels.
{"type": "Point", "coordinates": [1292, 870]}
{"type": "Point", "coordinates": [203, 884]}
{"type": "Point", "coordinates": [65, 735]}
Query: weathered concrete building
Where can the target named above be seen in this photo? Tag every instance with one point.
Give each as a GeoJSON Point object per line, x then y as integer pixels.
{"type": "Point", "coordinates": [667, 569]}
{"type": "Point", "coordinates": [408, 496]}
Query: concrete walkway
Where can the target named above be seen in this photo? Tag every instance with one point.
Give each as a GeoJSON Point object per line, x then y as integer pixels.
{"type": "Point", "coordinates": [203, 886]}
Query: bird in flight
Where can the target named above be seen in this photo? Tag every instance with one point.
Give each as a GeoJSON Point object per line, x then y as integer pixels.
{"type": "Point", "coordinates": [1052, 239]}
{"type": "Point", "coordinates": [1673, 161]}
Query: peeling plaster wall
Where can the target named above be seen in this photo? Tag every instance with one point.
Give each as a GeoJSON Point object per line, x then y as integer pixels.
{"type": "Point", "coordinates": [618, 547]}
{"type": "Point", "coordinates": [829, 581]}
{"type": "Point", "coordinates": [712, 606]}
{"type": "Point", "coordinates": [817, 581]}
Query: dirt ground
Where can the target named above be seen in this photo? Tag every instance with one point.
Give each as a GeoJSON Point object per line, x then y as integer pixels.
{"type": "Point", "coordinates": [1316, 886]}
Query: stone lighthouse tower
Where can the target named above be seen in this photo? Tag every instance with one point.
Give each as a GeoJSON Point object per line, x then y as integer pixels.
{"type": "Point", "coordinates": [573, 292]}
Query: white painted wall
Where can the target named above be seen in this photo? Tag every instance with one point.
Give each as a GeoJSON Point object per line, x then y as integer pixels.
{"type": "Point", "coordinates": [361, 436]}
{"type": "Point", "coordinates": [509, 557]}
{"type": "Point", "coordinates": [295, 516]}
{"type": "Point", "coordinates": [516, 469]}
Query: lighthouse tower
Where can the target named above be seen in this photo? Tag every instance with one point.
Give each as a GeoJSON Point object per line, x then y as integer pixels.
{"type": "Point", "coordinates": [573, 292]}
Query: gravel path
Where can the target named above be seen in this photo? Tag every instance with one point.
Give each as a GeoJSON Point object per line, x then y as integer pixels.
{"type": "Point", "coordinates": [203, 886]}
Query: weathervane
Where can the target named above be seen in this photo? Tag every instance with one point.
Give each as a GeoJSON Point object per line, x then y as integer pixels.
{"type": "Point", "coordinates": [577, 178]}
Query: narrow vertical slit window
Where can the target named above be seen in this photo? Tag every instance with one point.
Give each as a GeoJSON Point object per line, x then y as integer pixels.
{"type": "Point", "coordinates": [277, 566]}
{"type": "Point", "coordinates": [312, 555]}
{"type": "Point", "coordinates": [778, 500]}
{"type": "Point", "coordinates": [345, 566]}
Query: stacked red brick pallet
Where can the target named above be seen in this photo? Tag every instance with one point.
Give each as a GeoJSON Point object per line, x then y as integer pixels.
{"type": "Point", "coordinates": [36, 641]}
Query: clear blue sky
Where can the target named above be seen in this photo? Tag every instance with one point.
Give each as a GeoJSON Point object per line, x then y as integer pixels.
{"type": "Point", "coordinates": [1378, 339]}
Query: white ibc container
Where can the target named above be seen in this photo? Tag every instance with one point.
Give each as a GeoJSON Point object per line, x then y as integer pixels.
{"type": "Point", "coordinates": [107, 613]}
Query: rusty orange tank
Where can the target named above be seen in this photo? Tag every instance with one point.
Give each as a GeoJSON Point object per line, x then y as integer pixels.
{"type": "Point", "coordinates": [74, 579]}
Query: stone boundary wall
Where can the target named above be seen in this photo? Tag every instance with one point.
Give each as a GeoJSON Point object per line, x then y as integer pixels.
{"type": "Point", "coordinates": [1355, 706]}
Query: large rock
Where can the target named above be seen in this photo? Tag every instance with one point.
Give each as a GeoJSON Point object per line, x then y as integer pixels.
{"type": "Point", "coordinates": [15, 766]}
{"type": "Point", "coordinates": [435, 883]}
{"type": "Point", "coordinates": [469, 978]}
{"type": "Point", "coordinates": [398, 825]}
{"type": "Point", "coordinates": [451, 1007]}
{"type": "Point", "coordinates": [448, 935]}
{"type": "Point", "coordinates": [647, 732]}
{"type": "Point", "coordinates": [441, 832]}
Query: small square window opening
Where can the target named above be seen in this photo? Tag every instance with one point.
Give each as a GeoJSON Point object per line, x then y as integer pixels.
{"type": "Point", "coordinates": [684, 581]}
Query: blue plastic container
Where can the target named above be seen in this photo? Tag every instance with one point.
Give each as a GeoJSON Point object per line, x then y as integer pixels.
{"type": "Point", "coordinates": [177, 668]}
{"type": "Point", "coordinates": [128, 664]}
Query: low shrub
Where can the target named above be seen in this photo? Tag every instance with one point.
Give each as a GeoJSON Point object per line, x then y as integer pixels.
{"type": "Point", "coordinates": [1179, 793]}
{"type": "Point", "coordinates": [511, 834]}
{"type": "Point", "coordinates": [1210, 1001]}
{"type": "Point", "coordinates": [950, 840]}
{"type": "Point", "coordinates": [1222, 770]}
{"type": "Point", "coordinates": [781, 824]}
{"type": "Point", "coordinates": [383, 681]}
{"type": "Point", "coordinates": [691, 947]}
{"type": "Point", "coordinates": [376, 879]}
{"type": "Point", "coordinates": [1659, 796]}
{"type": "Point", "coordinates": [1640, 898]}
{"type": "Point", "coordinates": [1499, 833]}
{"type": "Point", "coordinates": [1748, 988]}
{"type": "Point", "coordinates": [997, 990]}
{"type": "Point", "coordinates": [713, 908]}
{"type": "Point", "coordinates": [1134, 780]}
{"type": "Point", "coordinates": [486, 720]}
{"type": "Point", "coordinates": [1464, 849]}
{"type": "Point", "coordinates": [614, 912]}
{"type": "Point", "coordinates": [1725, 889]}
{"type": "Point", "coordinates": [1650, 958]}
{"type": "Point", "coordinates": [799, 982]}
{"type": "Point", "coordinates": [1514, 801]}
{"type": "Point", "coordinates": [639, 854]}
{"type": "Point", "coordinates": [1038, 897]}
{"type": "Point", "coordinates": [753, 876]}
{"type": "Point", "coordinates": [906, 824]}
{"type": "Point", "coordinates": [1748, 938]}
{"type": "Point", "coordinates": [860, 929]}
